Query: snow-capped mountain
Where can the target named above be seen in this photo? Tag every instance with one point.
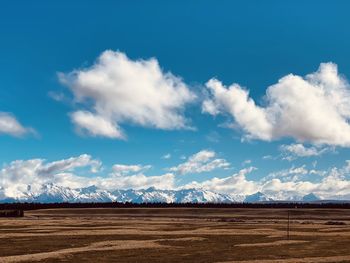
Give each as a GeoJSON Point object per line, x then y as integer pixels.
{"type": "Point", "coordinates": [257, 197]}
{"type": "Point", "coordinates": [51, 193]}
{"type": "Point", "coordinates": [203, 196]}
{"type": "Point", "coordinates": [174, 196]}
{"type": "Point", "coordinates": [310, 198]}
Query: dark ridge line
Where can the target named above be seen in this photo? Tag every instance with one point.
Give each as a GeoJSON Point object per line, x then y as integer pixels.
{"type": "Point", "coordinates": [294, 205]}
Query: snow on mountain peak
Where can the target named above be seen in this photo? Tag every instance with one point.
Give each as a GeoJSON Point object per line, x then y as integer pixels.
{"type": "Point", "coordinates": [257, 197]}
{"type": "Point", "coordinates": [52, 193]}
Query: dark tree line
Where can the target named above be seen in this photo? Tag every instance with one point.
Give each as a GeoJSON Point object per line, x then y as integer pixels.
{"type": "Point", "coordinates": [33, 206]}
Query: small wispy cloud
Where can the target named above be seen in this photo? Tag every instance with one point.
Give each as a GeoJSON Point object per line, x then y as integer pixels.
{"type": "Point", "coordinates": [166, 156]}
{"type": "Point", "coordinates": [11, 126]}
{"type": "Point", "coordinates": [293, 151]}
{"type": "Point", "coordinates": [123, 169]}
{"type": "Point", "coordinates": [203, 161]}
{"type": "Point", "coordinates": [246, 162]}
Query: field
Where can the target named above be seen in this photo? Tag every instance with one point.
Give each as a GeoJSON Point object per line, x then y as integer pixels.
{"type": "Point", "coordinates": [176, 235]}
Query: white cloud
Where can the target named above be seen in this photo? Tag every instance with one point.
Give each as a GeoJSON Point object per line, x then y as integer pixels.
{"type": "Point", "coordinates": [328, 188]}
{"type": "Point", "coordinates": [246, 162]}
{"type": "Point", "coordinates": [115, 182]}
{"type": "Point", "coordinates": [299, 181]}
{"type": "Point", "coordinates": [15, 176]}
{"type": "Point", "coordinates": [285, 184]}
{"type": "Point", "coordinates": [313, 109]}
{"type": "Point", "coordinates": [213, 136]}
{"type": "Point", "coordinates": [57, 96]}
{"type": "Point", "coordinates": [268, 157]}
{"type": "Point", "coordinates": [122, 169]}
{"type": "Point", "coordinates": [166, 156]}
{"type": "Point", "coordinates": [119, 90]}
{"type": "Point", "coordinates": [293, 151]}
{"type": "Point", "coordinates": [290, 174]}
{"type": "Point", "coordinates": [203, 161]}
{"type": "Point", "coordinates": [70, 164]}
{"type": "Point", "coordinates": [18, 175]}
{"type": "Point", "coordinates": [235, 184]}
{"type": "Point", "coordinates": [136, 181]}
{"type": "Point", "coordinates": [95, 125]}
{"type": "Point", "coordinates": [10, 125]}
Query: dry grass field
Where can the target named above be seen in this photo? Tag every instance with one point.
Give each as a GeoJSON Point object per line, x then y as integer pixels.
{"type": "Point", "coordinates": [176, 235]}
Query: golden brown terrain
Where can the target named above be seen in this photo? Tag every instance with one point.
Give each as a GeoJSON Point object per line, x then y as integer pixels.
{"type": "Point", "coordinates": [176, 235]}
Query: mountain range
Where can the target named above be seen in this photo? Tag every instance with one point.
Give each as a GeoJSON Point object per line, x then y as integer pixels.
{"type": "Point", "coordinates": [51, 193]}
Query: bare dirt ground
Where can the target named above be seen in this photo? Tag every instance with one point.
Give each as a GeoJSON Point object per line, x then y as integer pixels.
{"type": "Point", "coordinates": [176, 235]}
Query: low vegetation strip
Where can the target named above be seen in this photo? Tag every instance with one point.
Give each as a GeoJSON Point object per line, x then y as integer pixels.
{"type": "Point", "coordinates": [12, 213]}
{"type": "Point", "coordinates": [98, 246]}
{"type": "Point", "coordinates": [94, 247]}
{"type": "Point", "coordinates": [275, 243]}
{"type": "Point", "coordinates": [333, 259]}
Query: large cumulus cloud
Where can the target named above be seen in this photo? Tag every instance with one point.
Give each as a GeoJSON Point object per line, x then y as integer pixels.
{"type": "Point", "coordinates": [314, 108]}
{"type": "Point", "coordinates": [117, 89]}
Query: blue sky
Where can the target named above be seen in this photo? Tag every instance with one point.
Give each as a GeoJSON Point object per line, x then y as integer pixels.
{"type": "Point", "coordinates": [252, 43]}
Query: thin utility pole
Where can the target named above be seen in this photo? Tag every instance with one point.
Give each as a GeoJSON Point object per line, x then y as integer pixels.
{"type": "Point", "coordinates": [288, 225]}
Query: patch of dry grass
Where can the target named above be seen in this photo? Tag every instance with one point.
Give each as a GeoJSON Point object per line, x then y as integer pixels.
{"type": "Point", "coordinates": [175, 235]}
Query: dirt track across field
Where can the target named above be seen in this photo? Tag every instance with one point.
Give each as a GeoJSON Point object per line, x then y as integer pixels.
{"type": "Point", "coordinates": [176, 235]}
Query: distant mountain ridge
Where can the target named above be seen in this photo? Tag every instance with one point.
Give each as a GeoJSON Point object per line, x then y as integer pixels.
{"type": "Point", "coordinates": [51, 193]}
{"type": "Point", "coordinates": [311, 198]}
{"type": "Point", "coordinates": [257, 197]}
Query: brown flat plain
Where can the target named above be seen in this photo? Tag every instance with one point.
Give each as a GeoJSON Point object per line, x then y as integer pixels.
{"type": "Point", "coordinates": [176, 235]}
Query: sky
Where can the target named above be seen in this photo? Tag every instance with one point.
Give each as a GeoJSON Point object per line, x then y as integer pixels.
{"type": "Point", "coordinates": [232, 96]}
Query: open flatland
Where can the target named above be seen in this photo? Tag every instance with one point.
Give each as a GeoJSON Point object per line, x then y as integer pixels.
{"type": "Point", "coordinates": [176, 235]}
